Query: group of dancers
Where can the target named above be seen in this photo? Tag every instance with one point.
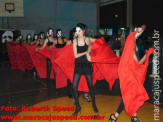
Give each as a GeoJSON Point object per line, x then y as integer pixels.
{"type": "Point", "coordinates": [84, 60]}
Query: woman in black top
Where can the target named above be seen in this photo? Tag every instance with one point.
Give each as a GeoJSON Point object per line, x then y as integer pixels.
{"type": "Point", "coordinates": [41, 39]}
{"type": "Point", "coordinates": [28, 39]}
{"type": "Point", "coordinates": [48, 42]}
{"type": "Point", "coordinates": [59, 42]}
{"type": "Point", "coordinates": [20, 39]}
{"type": "Point", "coordinates": [73, 36]}
{"type": "Point", "coordinates": [81, 48]}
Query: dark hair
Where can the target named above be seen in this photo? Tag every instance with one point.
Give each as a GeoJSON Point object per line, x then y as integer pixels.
{"type": "Point", "coordinates": [71, 34]}
{"type": "Point", "coordinates": [20, 40]}
{"type": "Point", "coordinates": [27, 38]}
{"type": "Point", "coordinates": [50, 29]}
{"type": "Point", "coordinates": [42, 33]}
{"type": "Point", "coordinates": [34, 37]}
{"type": "Point", "coordinates": [58, 30]}
{"type": "Point", "coordinates": [82, 26]}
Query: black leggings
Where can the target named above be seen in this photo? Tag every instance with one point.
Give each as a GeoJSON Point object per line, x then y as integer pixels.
{"type": "Point", "coordinates": [69, 88]}
{"type": "Point", "coordinates": [49, 65]}
{"type": "Point", "coordinates": [120, 108]}
{"type": "Point", "coordinates": [76, 79]}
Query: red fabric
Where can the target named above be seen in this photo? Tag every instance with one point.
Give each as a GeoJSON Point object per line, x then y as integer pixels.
{"type": "Point", "coordinates": [102, 57]}
{"type": "Point", "coordinates": [22, 57]}
{"type": "Point", "coordinates": [47, 54]}
{"type": "Point", "coordinates": [132, 76]}
{"type": "Point", "coordinates": [102, 53]}
{"type": "Point", "coordinates": [38, 60]}
{"type": "Point", "coordinates": [19, 55]}
{"type": "Point", "coordinates": [65, 60]}
{"type": "Point", "coordinates": [26, 57]}
{"type": "Point", "coordinates": [60, 77]}
{"type": "Point", "coordinates": [12, 55]}
{"type": "Point", "coordinates": [105, 62]}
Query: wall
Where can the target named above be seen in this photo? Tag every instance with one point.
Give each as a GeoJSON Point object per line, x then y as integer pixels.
{"type": "Point", "coordinates": [39, 15]}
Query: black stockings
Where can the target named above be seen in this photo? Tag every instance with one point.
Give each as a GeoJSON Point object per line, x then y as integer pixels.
{"type": "Point", "coordinates": [76, 79]}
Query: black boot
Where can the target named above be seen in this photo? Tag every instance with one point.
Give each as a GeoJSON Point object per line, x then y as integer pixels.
{"type": "Point", "coordinates": [134, 119]}
{"type": "Point", "coordinates": [78, 109]}
{"type": "Point", "coordinates": [95, 108]}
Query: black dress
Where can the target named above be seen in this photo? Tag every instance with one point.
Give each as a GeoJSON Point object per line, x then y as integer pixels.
{"type": "Point", "coordinates": [59, 45]}
{"type": "Point", "coordinates": [49, 43]}
{"type": "Point", "coordinates": [137, 54]}
{"type": "Point", "coordinates": [82, 65]}
{"type": "Point", "coordinates": [49, 65]}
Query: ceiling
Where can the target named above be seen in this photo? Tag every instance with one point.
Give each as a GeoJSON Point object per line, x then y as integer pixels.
{"type": "Point", "coordinates": [101, 2]}
{"type": "Point", "coordinates": [107, 2]}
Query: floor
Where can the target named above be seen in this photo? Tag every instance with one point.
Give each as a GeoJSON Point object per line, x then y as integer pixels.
{"type": "Point", "coordinates": [18, 88]}
{"type": "Point", "coordinates": [106, 104]}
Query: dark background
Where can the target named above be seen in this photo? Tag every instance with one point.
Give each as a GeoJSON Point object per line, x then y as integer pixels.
{"type": "Point", "coordinates": [147, 12]}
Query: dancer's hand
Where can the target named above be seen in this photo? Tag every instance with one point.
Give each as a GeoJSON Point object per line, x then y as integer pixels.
{"type": "Point", "coordinates": [143, 27]}
{"type": "Point", "coordinates": [49, 48]}
{"type": "Point", "coordinates": [37, 49]}
{"type": "Point", "coordinates": [88, 57]}
{"type": "Point", "coordinates": [152, 50]}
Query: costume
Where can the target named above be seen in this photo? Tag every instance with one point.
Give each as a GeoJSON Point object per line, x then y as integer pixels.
{"type": "Point", "coordinates": [103, 60]}
{"type": "Point", "coordinates": [132, 76]}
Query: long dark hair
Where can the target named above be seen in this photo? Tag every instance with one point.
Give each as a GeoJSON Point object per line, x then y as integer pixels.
{"type": "Point", "coordinates": [49, 30]}
{"type": "Point", "coordinates": [57, 32]}
{"type": "Point", "coordinates": [71, 34]}
{"type": "Point", "coordinates": [43, 34]}
{"type": "Point", "coordinates": [35, 36]}
{"type": "Point", "coordinates": [83, 27]}
{"type": "Point", "coordinates": [21, 40]}
{"type": "Point", "coordinates": [27, 38]}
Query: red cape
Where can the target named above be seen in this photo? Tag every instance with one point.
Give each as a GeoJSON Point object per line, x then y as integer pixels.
{"type": "Point", "coordinates": [132, 76]}
{"type": "Point", "coordinates": [60, 77]}
{"type": "Point", "coordinates": [12, 55]}
{"type": "Point", "coordinates": [26, 57]}
{"type": "Point", "coordinates": [38, 60]}
{"type": "Point", "coordinates": [104, 62]}
{"type": "Point", "coordinates": [19, 56]}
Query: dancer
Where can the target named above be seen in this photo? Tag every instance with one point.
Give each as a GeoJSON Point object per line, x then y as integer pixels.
{"type": "Point", "coordinates": [35, 40]}
{"type": "Point", "coordinates": [81, 48]}
{"type": "Point", "coordinates": [132, 72]}
{"type": "Point", "coordinates": [59, 41]}
{"type": "Point", "coordinates": [35, 37]}
{"type": "Point", "coordinates": [48, 42]}
{"type": "Point", "coordinates": [38, 41]}
{"type": "Point", "coordinates": [28, 39]}
{"type": "Point", "coordinates": [20, 39]}
{"type": "Point", "coordinates": [41, 39]}
{"type": "Point", "coordinates": [72, 36]}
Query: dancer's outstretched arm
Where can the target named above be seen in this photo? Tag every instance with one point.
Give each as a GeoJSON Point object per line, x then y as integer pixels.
{"type": "Point", "coordinates": [46, 41]}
